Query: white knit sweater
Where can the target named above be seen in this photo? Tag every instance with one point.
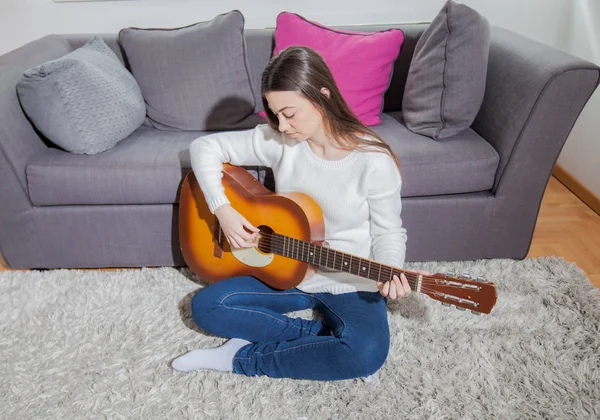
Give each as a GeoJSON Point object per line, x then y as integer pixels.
{"type": "Point", "coordinates": [359, 195]}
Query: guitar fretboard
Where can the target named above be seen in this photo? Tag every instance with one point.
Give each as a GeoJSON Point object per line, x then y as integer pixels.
{"type": "Point", "coordinates": [330, 258]}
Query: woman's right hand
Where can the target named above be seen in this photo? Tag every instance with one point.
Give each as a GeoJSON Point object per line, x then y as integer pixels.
{"type": "Point", "coordinates": [239, 232]}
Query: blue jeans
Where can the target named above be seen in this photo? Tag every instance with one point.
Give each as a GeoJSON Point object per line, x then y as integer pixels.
{"type": "Point", "coordinates": [285, 347]}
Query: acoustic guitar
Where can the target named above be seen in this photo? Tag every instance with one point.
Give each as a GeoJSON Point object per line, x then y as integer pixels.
{"type": "Point", "coordinates": [290, 244]}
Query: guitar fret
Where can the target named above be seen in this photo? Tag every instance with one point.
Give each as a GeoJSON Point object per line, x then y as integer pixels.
{"type": "Point", "coordinates": [332, 264]}
{"type": "Point", "coordinates": [355, 266]}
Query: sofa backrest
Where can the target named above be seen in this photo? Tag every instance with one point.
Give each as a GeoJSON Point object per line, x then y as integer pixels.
{"type": "Point", "coordinates": [260, 44]}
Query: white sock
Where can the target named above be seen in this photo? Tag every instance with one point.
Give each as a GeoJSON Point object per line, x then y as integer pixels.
{"type": "Point", "coordinates": [218, 358]}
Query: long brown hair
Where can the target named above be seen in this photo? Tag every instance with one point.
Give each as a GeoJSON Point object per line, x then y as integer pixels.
{"type": "Point", "coordinates": [303, 70]}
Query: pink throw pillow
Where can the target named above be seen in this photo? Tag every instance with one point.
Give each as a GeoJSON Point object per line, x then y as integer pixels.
{"type": "Point", "coordinates": [361, 62]}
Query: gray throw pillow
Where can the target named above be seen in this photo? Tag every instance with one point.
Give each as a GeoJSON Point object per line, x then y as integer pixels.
{"type": "Point", "coordinates": [194, 78]}
{"type": "Point", "coordinates": [446, 79]}
{"type": "Point", "coordinates": [85, 101]}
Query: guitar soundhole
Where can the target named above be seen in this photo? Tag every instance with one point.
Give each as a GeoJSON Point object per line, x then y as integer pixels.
{"type": "Point", "coordinates": [265, 237]}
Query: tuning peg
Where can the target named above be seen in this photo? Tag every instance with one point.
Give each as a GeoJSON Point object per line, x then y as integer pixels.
{"type": "Point", "coordinates": [446, 304]}
{"type": "Point", "coordinates": [481, 279]}
{"type": "Point", "coordinates": [465, 276]}
{"type": "Point", "coordinates": [451, 274]}
{"type": "Point", "coordinates": [460, 308]}
{"type": "Point", "coordinates": [475, 312]}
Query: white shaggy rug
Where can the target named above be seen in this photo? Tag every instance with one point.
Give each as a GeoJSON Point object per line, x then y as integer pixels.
{"type": "Point", "coordinates": [91, 344]}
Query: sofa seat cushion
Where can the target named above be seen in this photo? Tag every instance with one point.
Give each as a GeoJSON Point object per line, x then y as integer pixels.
{"type": "Point", "coordinates": [462, 163]}
{"type": "Point", "coordinates": [148, 167]}
{"type": "Point", "coordinates": [145, 168]}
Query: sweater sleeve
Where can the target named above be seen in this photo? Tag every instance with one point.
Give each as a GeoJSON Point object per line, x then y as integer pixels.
{"type": "Point", "coordinates": [259, 146]}
{"type": "Point", "coordinates": [385, 205]}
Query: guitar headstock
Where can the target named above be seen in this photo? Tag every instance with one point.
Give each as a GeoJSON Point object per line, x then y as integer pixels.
{"type": "Point", "coordinates": [463, 292]}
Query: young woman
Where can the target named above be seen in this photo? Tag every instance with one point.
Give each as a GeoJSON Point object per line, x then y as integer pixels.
{"type": "Point", "coordinates": [317, 146]}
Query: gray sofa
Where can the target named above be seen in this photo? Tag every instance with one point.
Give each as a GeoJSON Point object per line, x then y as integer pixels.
{"type": "Point", "coordinates": [474, 195]}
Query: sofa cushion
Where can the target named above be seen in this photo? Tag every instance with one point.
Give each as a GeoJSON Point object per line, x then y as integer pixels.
{"type": "Point", "coordinates": [145, 168]}
{"type": "Point", "coordinates": [361, 62]}
{"type": "Point", "coordinates": [462, 163]}
{"type": "Point", "coordinates": [85, 101]}
{"type": "Point", "coordinates": [193, 78]}
{"type": "Point", "coordinates": [148, 167]}
{"type": "Point", "coordinates": [446, 80]}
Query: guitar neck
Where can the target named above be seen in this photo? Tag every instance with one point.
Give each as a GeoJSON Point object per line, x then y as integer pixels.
{"type": "Point", "coordinates": [335, 260]}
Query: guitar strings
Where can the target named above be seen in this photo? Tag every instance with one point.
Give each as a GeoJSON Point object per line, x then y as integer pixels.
{"type": "Point", "coordinates": [387, 270]}
{"type": "Point", "coordinates": [278, 239]}
{"type": "Point", "coordinates": [412, 279]}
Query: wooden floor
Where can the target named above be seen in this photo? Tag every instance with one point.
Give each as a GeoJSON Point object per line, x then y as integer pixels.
{"type": "Point", "coordinates": [566, 227]}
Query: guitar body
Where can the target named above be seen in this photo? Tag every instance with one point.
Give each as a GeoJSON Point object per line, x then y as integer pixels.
{"type": "Point", "coordinates": [290, 245]}
{"type": "Point", "coordinates": [207, 251]}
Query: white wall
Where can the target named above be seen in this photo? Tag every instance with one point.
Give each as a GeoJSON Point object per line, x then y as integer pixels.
{"type": "Point", "coordinates": [581, 154]}
{"type": "Point", "coordinates": [572, 25]}
{"type": "Point", "coordinates": [25, 20]}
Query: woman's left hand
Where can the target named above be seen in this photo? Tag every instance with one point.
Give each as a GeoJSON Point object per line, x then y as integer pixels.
{"type": "Point", "coordinates": [397, 287]}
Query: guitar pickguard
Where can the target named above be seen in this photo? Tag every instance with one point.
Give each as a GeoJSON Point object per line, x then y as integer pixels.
{"type": "Point", "coordinates": [252, 257]}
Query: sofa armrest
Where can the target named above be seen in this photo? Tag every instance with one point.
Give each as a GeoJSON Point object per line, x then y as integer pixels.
{"type": "Point", "coordinates": [18, 138]}
{"type": "Point", "coordinates": [18, 143]}
{"type": "Point", "coordinates": [534, 95]}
